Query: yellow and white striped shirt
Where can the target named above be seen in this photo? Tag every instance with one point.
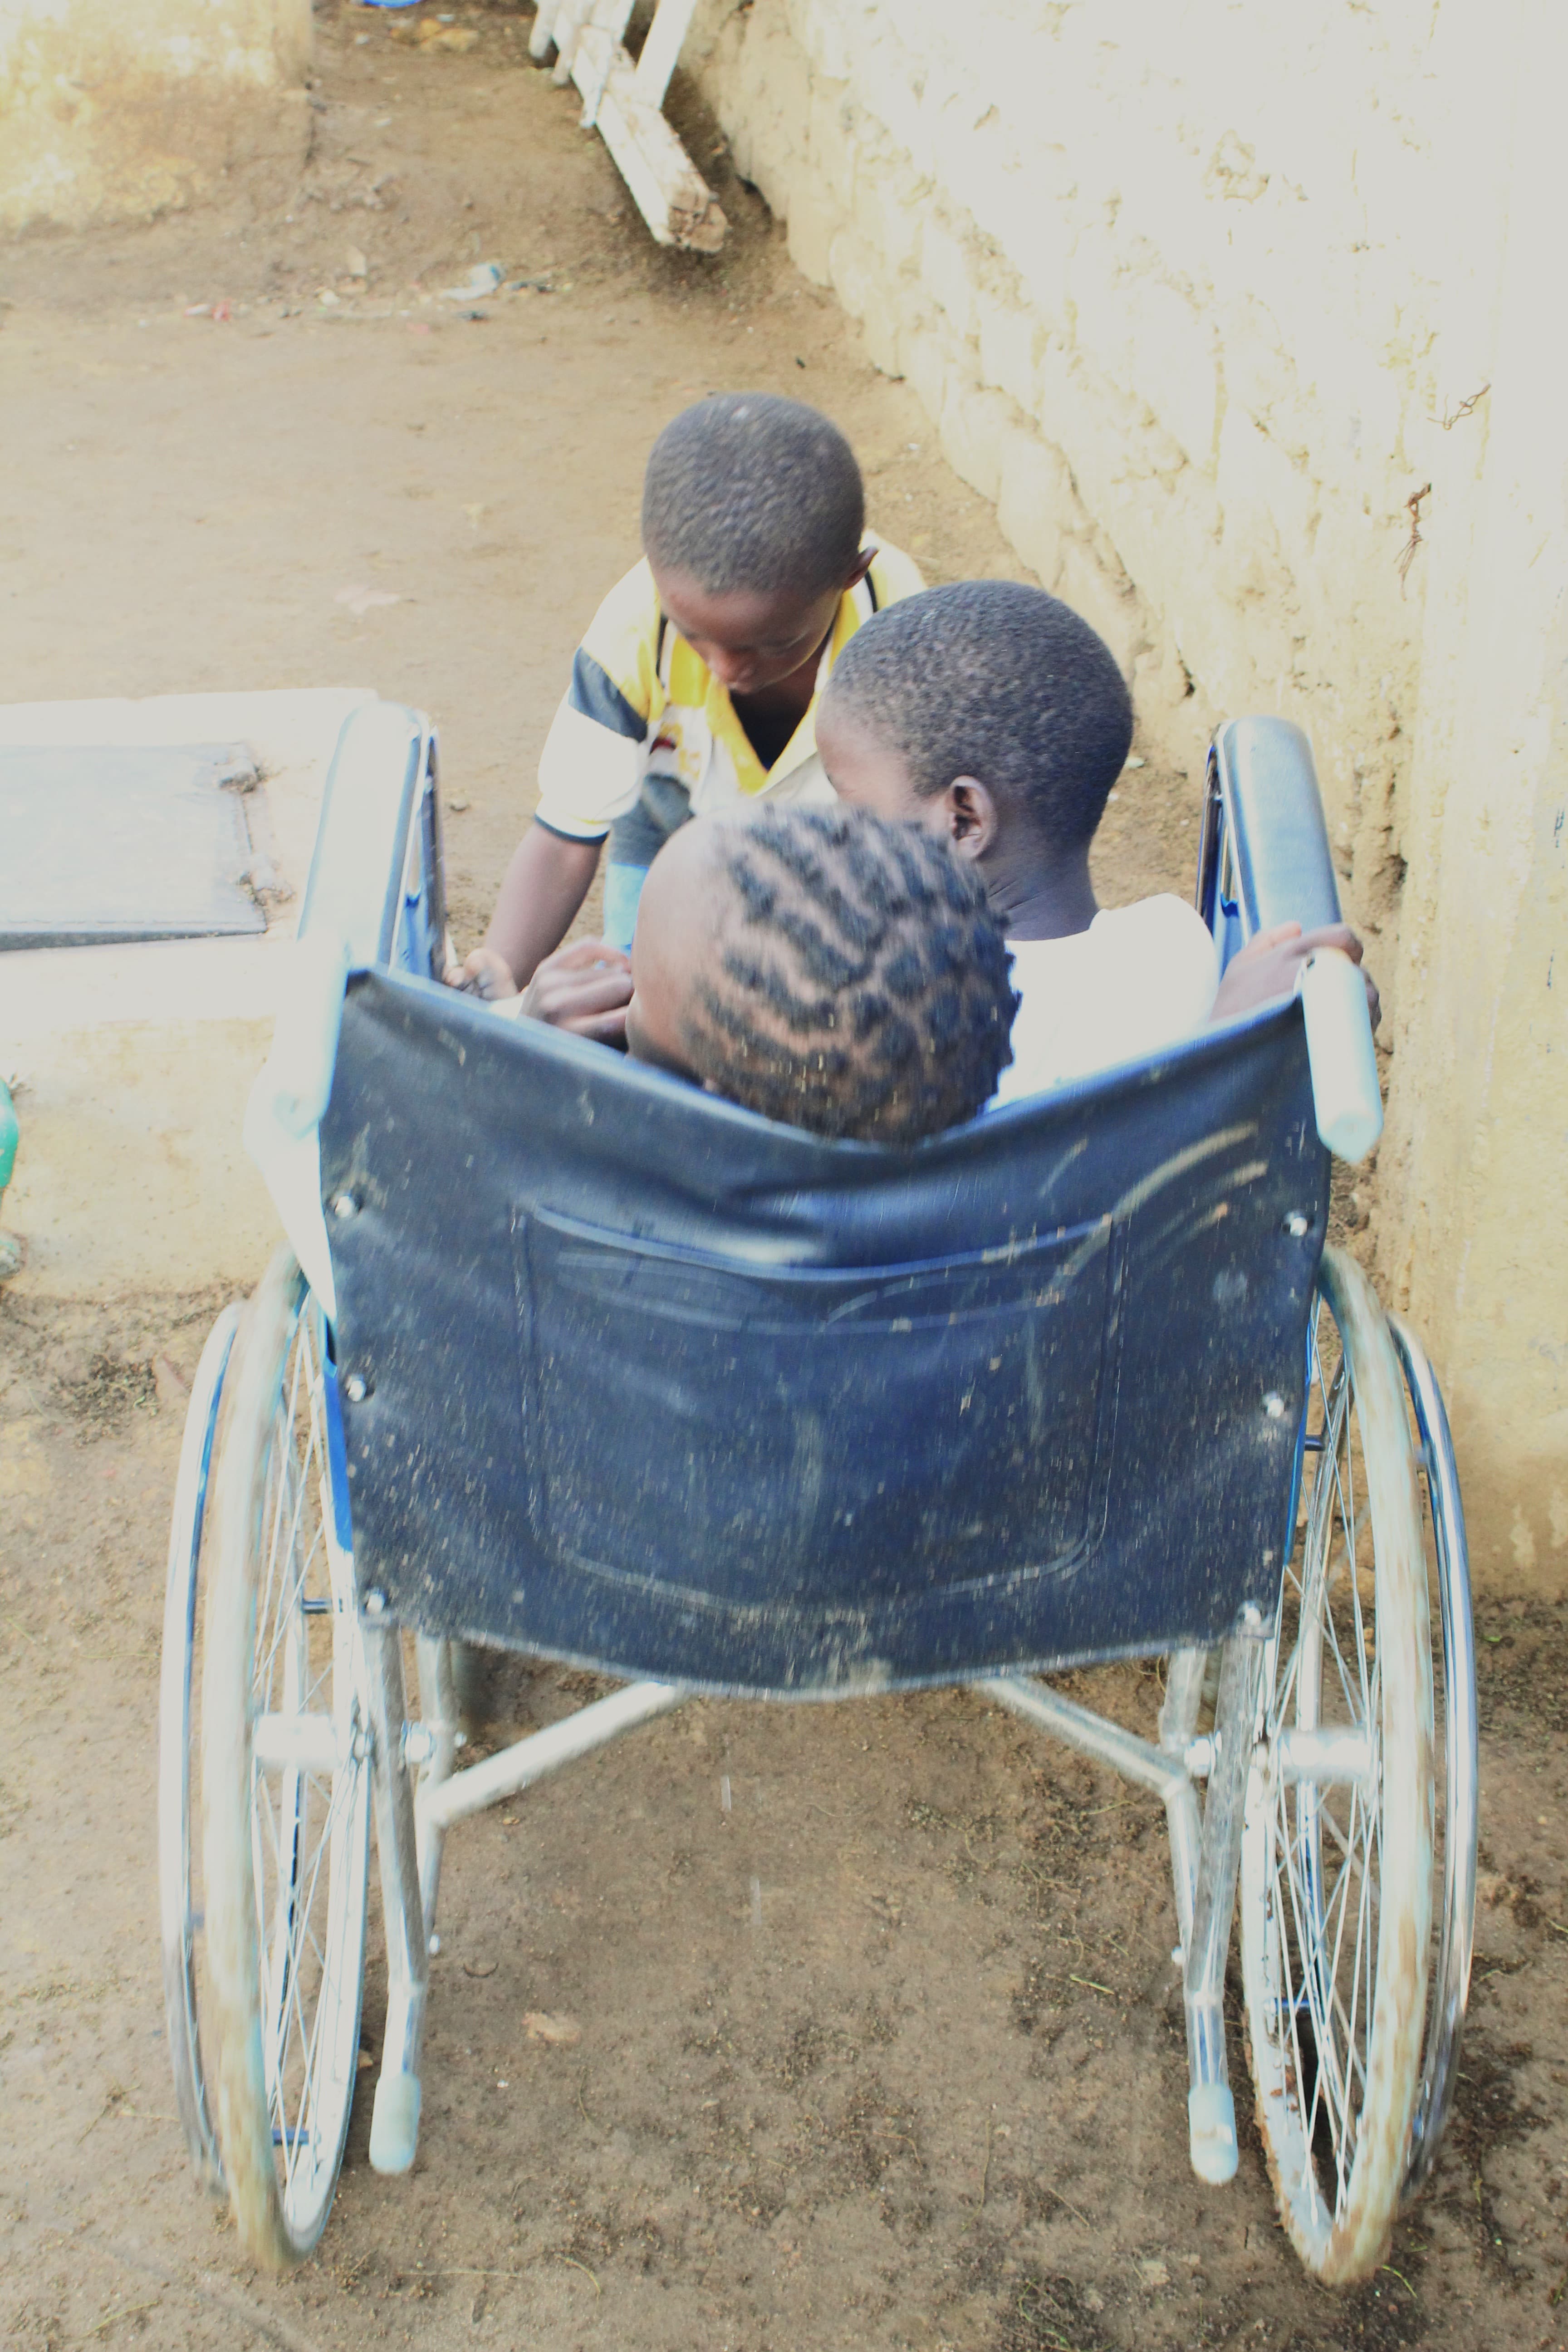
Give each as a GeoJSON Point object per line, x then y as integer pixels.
{"type": "Point", "coordinates": [644, 709]}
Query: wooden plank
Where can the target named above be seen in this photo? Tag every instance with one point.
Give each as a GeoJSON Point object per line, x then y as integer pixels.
{"type": "Point", "coordinates": [671, 21]}
{"type": "Point", "coordinates": [611, 16]}
{"type": "Point", "coordinates": [667, 187]}
{"type": "Point", "coordinates": [570, 19]}
{"type": "Point", "coordinates": [544, 33]}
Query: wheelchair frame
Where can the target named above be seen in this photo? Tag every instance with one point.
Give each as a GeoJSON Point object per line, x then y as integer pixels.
{"type": "Point", "coordinates": [380, 817]}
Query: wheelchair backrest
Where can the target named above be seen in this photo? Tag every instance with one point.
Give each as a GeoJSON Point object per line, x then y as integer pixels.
{"type": "Point", "coordinates": [633, 1377]}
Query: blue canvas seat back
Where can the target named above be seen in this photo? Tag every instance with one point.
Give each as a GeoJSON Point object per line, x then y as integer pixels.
{"type": "Point", "coordinates": [660, 1387]}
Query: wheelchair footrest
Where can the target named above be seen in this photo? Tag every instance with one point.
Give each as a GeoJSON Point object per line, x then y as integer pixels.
{"type": "Point", "coordinates": [394, 2122]}
{"type": "Point", "coordinates": [1211, 2126]}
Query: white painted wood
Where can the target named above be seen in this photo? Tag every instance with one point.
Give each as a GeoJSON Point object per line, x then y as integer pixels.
{"type": "Point", "coordinates": [612, 17]}
{"type": "Point", "coordinates": [668, 191]}
{"type": "Point", "coordinates": [544, 33]}
{"type": "Point", "coordinates": [671, 20]}
{"type": "Point", "coordinates": [571, 18]}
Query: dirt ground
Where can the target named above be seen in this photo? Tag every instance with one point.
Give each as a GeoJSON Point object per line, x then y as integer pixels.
{"type": "Point", "coordinates": [887, 2052]}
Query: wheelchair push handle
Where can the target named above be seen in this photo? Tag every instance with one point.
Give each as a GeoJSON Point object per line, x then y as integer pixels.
{"type": "Point", "coordinates": [1345, 1091]}
{"type": "Point", "coordinates": [1265, 859]}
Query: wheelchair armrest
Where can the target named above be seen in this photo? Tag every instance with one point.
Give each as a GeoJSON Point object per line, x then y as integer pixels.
{"type": "Point", "coordinates": [1265, 843]}
{"type": "Point", "coordinates": [361, 863]}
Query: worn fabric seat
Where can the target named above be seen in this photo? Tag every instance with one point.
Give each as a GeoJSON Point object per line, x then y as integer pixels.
{"type": "Point", "coordinates": [636, 1379]}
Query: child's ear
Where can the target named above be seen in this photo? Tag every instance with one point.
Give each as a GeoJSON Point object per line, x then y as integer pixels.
{"type": "Point", "coordinates": [863, 563]}
{"type": "Point", "coordinates": [971, 818]}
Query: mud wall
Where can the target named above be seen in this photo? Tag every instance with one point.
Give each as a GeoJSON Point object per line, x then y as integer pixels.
{"type": "Point", "coordinates": [1231, 313]}
{"type": "Point", "coordinates": [123, 108]}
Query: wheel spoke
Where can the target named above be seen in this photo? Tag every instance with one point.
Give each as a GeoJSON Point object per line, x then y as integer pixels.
{"type": "Point", "coordinates": [296, 1553]}
{"type": "Point", "coordinates": [289, 1845]}
{"type": "Point", "coordinates": [1330, 2082]}
{"type": "Point", "coordinates": [1309, 1922]}
{"type": "Point", "coordinates": [1335, 2051]}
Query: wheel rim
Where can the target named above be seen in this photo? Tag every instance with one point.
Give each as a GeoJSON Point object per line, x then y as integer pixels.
{"type": "Point", "coordinates": [1333, 1863]}
{"type": "Point", "coordinates": [308, 1797]}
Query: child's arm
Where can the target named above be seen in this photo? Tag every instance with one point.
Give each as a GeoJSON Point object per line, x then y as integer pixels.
{"type": "Point", "coordinates": [1270, 966]}
{"type": "Point", "coordinates": [585, 988]}
{"type": "Point", "coordinates": [546, 882]}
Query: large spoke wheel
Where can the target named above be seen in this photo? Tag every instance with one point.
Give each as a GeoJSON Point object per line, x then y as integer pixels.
{"type": "Point", "coordinates": [1336, 1885]}
{"type": "Point", "coordinates": [180, 1907]}
{"type": "Point", "coordinates": [286, 1779]}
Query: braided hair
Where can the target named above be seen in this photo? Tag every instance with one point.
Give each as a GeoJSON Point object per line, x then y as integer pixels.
{"type": "Point", "coordinates": [859, 982]}
{"type": "Point", "coordinates": [749, 490]}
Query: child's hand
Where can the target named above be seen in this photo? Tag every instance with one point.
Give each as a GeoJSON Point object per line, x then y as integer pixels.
{"type": "Point", "coordinates": [1270, 966]}
{"type": "Point", "coordinates": [585, 988]}
{"type": "Point", "coordinates": [482, 973]}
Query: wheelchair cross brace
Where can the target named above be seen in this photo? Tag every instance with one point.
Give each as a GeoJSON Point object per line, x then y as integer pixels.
{"type": "Point", "coordinates": [411, 1820]}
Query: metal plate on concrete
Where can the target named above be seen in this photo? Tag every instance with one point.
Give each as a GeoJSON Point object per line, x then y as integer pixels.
{"type": "Point", "coordinates": [101, 844]}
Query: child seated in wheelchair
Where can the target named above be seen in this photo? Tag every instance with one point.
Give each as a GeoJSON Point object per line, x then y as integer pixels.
{"type": "Point", "coordinates": [695, 690]}
{"type": "Point", "coordinates": [826, 967]}
{"type": "Point", "coordinates": [993, 716]}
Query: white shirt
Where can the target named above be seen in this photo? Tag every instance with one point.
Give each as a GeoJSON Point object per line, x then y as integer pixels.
{"type": "Point", "coordinates": [1139, 979]}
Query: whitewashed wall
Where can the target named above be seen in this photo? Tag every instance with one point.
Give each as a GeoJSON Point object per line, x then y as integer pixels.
{"type": "Point", "coordinates": [1203, 293]}
{"type": "Point", "coordinates": [117, 109]}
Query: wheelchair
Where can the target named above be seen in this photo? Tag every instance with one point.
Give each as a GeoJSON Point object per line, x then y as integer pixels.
{"type": "Point", "coordinates": [566, 1356]}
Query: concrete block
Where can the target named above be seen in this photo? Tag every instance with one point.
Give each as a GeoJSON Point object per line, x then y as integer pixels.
{"type": "Point", "coordinates": [138, 1058]}
{"type": "Point", "coordinates": [981, 168]}
{"type": "Point", "coordinates": [1102, 316]}
{"type": "Point", "coordinates": [923, 359]}
{"type": "Point", "coordinates": [860, 281]}
{"type": "Point", "coordinates": [813, 221]}
{"type": "Point", "coordinates": [1011, 337]}
{"type": "Point", "coordinates": [832, 141]}
{"type": "Point", "coordinates": [1267, 503]}
{"type": "Point", "coordinates": [1093, 425]}
{"type": "Point", "coordinates": [946, 274]}
{"type": "Point", "coordinates": [1259, 372]}
{"type": "Point", "coordinates": [1034, 502]}
{"type": "Point", "coordinates": [975, 429]}
{"type": "Point", "coordinates": [853, 269]}
{"type": "Point", "coordinates": [1039, 245]}
{"type": "Point", "coordinates": [881, 328]}
{"type": "Point", "coordinates": [1169, 703]}
{"type": "Point", "coordinates": [889, 206]}
{"type": "Point", "coordinates": [171, 134]}
{"type": "Point", "coordinates": [1173, 366]}
{"type": "Point", "coordinates": [767, 157]}
{"type": "Point", "coordinates": [766, 91]}
{"type": "Point", "coordinates": [823, 36]}
{"type": "Point", "coordinates": [1106, 599]}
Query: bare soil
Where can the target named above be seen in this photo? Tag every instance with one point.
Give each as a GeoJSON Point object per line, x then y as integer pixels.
{"type": "Point", "coordinates": [888, 2052]}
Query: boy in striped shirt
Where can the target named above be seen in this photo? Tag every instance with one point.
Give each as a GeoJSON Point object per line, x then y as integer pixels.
{"type": "Point", "coordinates": [695, 690]}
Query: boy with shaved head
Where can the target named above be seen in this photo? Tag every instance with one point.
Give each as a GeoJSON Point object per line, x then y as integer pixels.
{"type": "Point", "coordinates": [695, 690]}
{"type": "Point", "coordinates": [993, 715]}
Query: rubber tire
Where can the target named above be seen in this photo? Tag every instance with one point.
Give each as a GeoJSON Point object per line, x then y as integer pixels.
{"type": "Point", "coordinates": [1349, 2244]}
{"type": "Point", "coordinates": [256, 1390]}
{"type": "Point", "coordinates": [1454, 1763]}
{"type": "Point", "coordinates": [178, 1749]}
